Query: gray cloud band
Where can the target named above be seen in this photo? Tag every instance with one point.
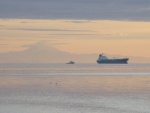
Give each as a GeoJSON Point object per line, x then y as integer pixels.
{"type": "Point", "coordinates": [76, 9]}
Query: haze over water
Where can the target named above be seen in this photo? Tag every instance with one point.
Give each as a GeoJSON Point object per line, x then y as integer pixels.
{"type": "Point", "coordinates": [78, 88]}
{"type": "Point", "coordinates": [39, 32]}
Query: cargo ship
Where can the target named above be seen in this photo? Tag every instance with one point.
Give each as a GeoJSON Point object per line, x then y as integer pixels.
{"type": "Point", "coordinates": [104, 60]}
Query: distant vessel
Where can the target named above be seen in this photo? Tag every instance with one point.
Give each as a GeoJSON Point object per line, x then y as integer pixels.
{"type": "Point", "coordinates": [71, 62]}
{"type": "Point", "coordinates": [104, 60]}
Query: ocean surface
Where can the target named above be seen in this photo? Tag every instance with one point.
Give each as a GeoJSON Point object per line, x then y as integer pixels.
{"type": "Point", "coordinates": [77, 88]}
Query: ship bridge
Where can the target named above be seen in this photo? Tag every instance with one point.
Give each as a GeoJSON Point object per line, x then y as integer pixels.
{"type": "Point", "coordinates": [102, 57]}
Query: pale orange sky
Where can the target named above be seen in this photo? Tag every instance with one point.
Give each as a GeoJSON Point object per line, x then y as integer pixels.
{"type": "Point", "coordinates": [125, 38]}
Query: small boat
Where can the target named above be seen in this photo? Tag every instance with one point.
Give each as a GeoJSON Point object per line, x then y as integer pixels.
{"type": "Point", "coordinates": [104, 60]}
{"type": "Point", "coordinates": [71, 62]}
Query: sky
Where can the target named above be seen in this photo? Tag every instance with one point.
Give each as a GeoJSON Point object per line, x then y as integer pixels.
{"type": "Point", "coordinates": [63, 30]}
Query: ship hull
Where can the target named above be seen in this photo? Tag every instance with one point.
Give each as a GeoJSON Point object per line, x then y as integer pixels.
{"type": "Point", "coordinates": [113, 61]}
{"type": "Point", "coordinates": [70, 63]}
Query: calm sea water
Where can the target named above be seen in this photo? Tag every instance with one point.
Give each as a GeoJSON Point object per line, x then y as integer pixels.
{"type": "Point", "coordinates": [76, 69]}
{"type": "Point", "coordinates": [78, 88]}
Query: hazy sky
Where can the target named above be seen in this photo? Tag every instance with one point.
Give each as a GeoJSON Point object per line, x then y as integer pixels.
{"type": "Point", "coordinates": [33, 29]}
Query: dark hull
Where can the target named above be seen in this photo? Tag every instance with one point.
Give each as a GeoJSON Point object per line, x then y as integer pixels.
{"type": "Point", "coordinates": [70, 63]}
{"type": "Point", "coordinates": [114, 61]}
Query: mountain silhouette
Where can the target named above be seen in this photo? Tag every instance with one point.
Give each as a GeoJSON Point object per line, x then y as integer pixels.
{"type": "Point", "coordinates": [45, 53]}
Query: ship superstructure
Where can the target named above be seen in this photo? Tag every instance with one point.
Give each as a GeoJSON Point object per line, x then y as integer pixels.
{"type": "Point", "coordinates": [71, 62]}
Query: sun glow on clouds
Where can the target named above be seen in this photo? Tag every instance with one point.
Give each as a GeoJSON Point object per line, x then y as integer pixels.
{"type": "Point", "coordinates": [77, 36]}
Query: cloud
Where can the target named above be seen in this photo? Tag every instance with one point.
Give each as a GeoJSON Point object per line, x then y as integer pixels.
{"type": "Point", "coordinates": [60, 43]}
{"type": "Point", "coordinates": [24, 22]}
{"type": "Point", "coordinates": [44, 29]}
{"type": "Point", "coordinates": [76, 9]}
{"type": "Point", "coordinates": [4, 44]}
{"type": "Point", "coordinates": [80, 21]}
{"type": "Point", "coordinates": [145, 9]}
